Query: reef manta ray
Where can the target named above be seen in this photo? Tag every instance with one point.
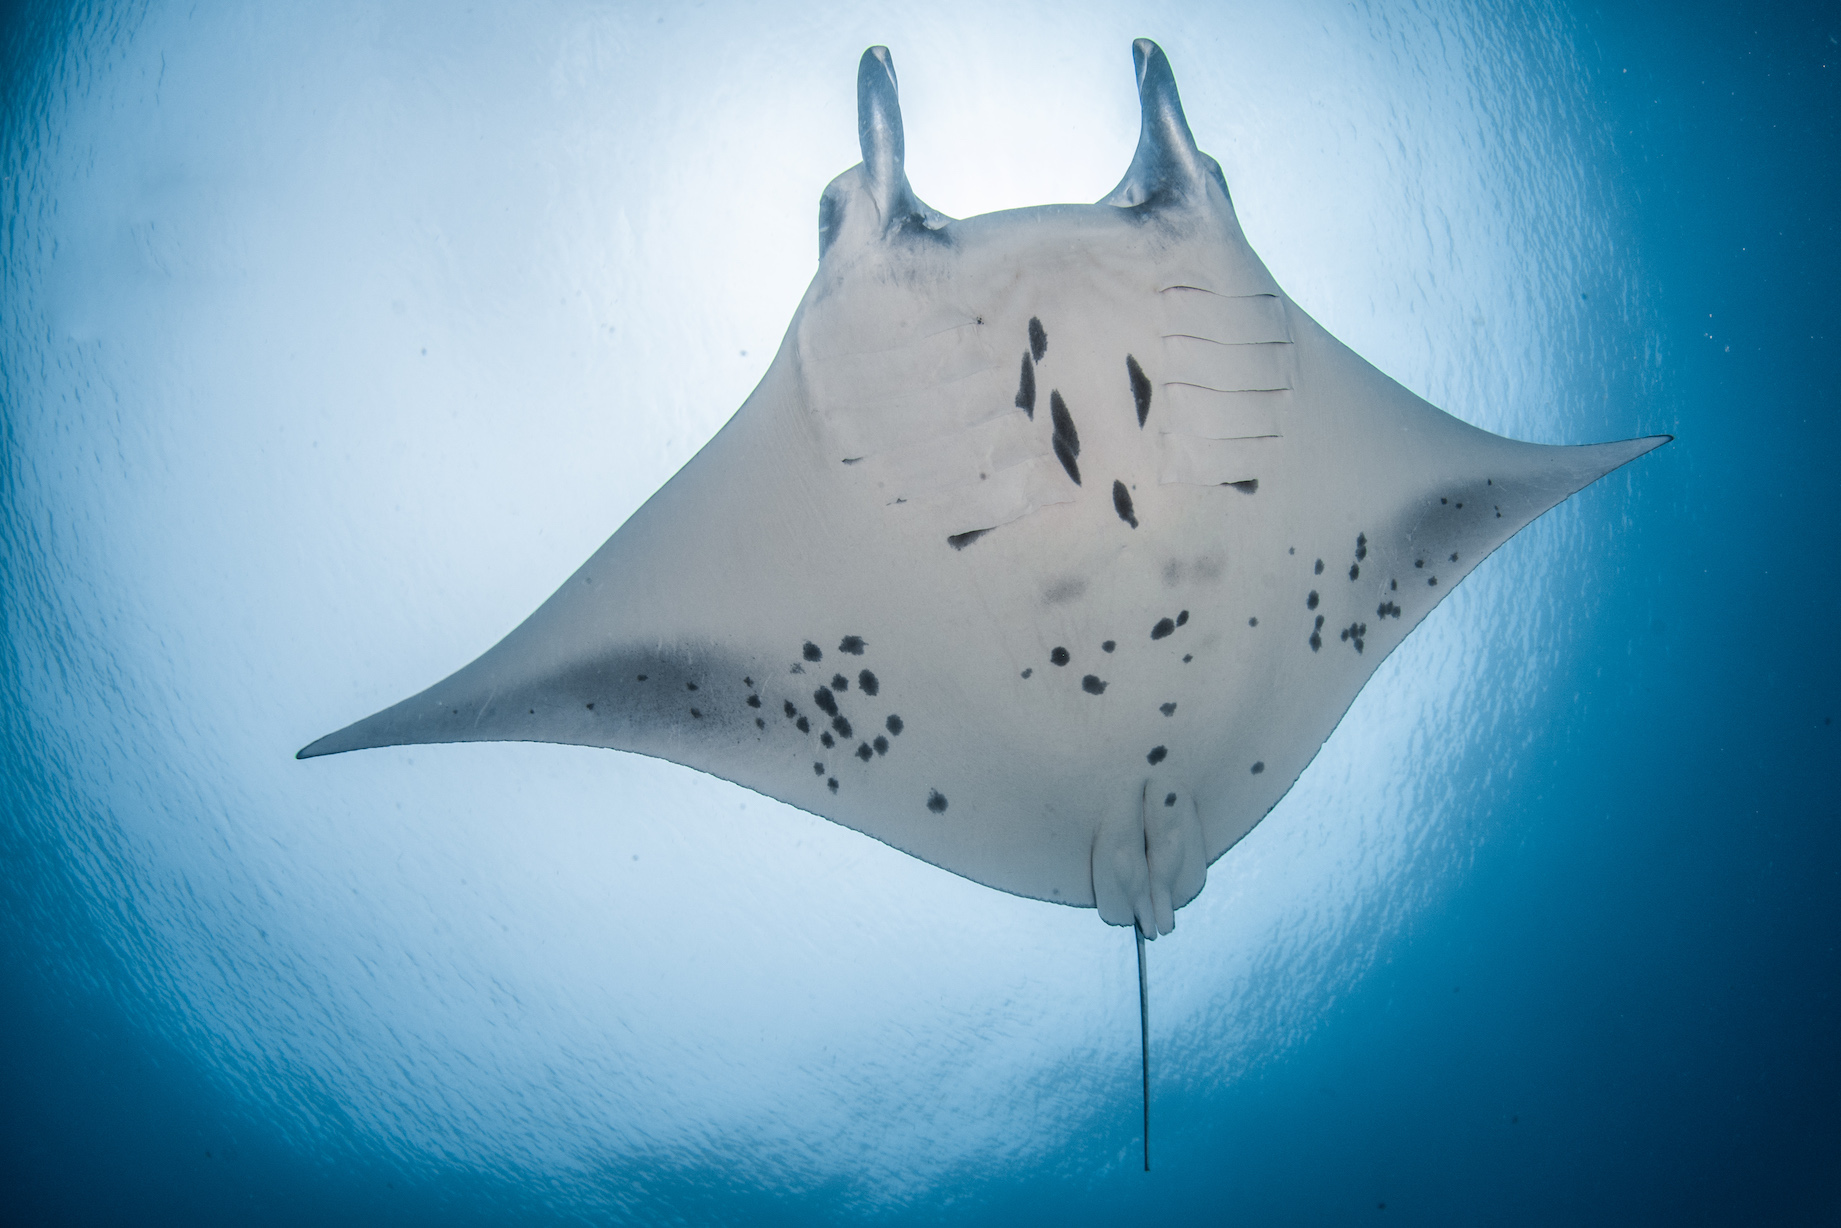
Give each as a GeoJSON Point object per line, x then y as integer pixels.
{"type": "Point", "coordinates": [1050, 549]}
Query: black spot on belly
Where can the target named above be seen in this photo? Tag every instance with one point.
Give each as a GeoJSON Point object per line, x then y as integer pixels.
{"type": "Point", "coordinates": [894, 725]}
{"type": "Point", "coordinates": [813, 652]}
{"type": "Point", "coordinates": [1026, 388]}
{"type": "Point", "coordinates": [1252, 622]}
{"type": "Point", "coordinates": [457, 710]}
{"type": "Point", "coordinates": [818, 769]}
{"type": "Point", "coordinates": [1067, 439]}
{"type": "Point", "coordinates": [1259, 767]}
{"type": "Point", "coordinates": [831, 784]}
{"type": "Point", "coordinates": [1059, 656]}
{"type": "Point", "coordinates": [1092, 685]}
{"type": "Point", "coordinates": [839, 682]}
{"type": "Point", "coordinates": [852, 644]}
{"type": "Point", "coordinates": [1028, 672]}
{"type": "Point", "coordinates": [1182, 618]}
{"type": "Point", "coordinates": [754, 701]}
{"type": "Point", "coordinates": [1387, 609]}
{"type": "Point", "coordinates": [1121, 503]}
{"type": "Point", "coordinates": [828, 740]}
{"type": "Point", "coordinates": [936, 802]}
{"type": "Point", "coordinates": [1140, 389]}
{"type": "Point", "coordinates": [690, 686]}
{"type": "Point", "coordinates": [1310, 602]}
{"type": "Point", "coordinates": [1169, 799]}
{"type": "Point", "coordinates": [1318, 569]}
{"type": "Point", "coordinates": [1109, 645]}
{"type": "Point", "coordinates": [759, 723]}
{"type": "Point", "coordinates": [804, 725]}
{"type": "Point", "coordinates": [698, 715]}
{"type": "Point", "coordinates": [826, 701]}
{"type": "Point", "coordinates": [864, 752]}
{"type": "Point", "coordinates": [959, 541]}
{"type": "Point", "coordinates": [1454, 556]}
{"type": "Point", "coordinates": [842, 725]}
{"type": "Point", "coordinates": [1431, 581]}
{"type": "Point", "coordinates": [1393, 586]}
{"type": "Point", "coordinates": [1188, 657]}
{"type": "Point", "coordinates": [870, 684]}
{"type": "Point", "coordinates": [1038, 339]}
{"type": "Point", "coordinates": [1361, 546]}
{"type": "Point", "coordinates": [881, 744]}
{"type": "Point", "coordinates": [1355, 569]}
{"type": "Point", "coordinates": [642, 677]}
{"type": "Point", "coordinates": [747, 682]}
{"type": "Point", "coordinates": [1168, 709]}
{"type": "Point", "coordinates": [1419, 562]}
{"type": "Point", "coordinates": [1158, 755]}
{"type": "Point", "coordinates": [1165, 626]}
{"type": "Point", "coordinates": [1444, 500]}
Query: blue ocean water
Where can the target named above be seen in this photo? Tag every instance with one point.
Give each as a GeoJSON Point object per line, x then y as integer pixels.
{"type": "Point", "coordinates": [332, 340]}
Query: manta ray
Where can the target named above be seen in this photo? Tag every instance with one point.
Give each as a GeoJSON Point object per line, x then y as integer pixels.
{"type": "Point", "coordinates": [1051, 547]}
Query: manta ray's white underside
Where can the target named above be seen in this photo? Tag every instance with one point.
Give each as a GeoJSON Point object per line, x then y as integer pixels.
{"type": "Point", "coordinates": [1050, 549]}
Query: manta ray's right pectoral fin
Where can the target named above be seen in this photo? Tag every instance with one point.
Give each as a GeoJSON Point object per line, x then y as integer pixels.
{"type": "Point", "coordinates": [1149, 862]}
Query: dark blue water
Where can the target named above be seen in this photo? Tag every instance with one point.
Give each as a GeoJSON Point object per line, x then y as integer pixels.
{"type": "Point", "coordinates": [1580, 967]}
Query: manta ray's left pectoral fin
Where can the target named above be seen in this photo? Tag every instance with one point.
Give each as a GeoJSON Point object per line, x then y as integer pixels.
{"type": "Point", "coordinates": [1150, 861]}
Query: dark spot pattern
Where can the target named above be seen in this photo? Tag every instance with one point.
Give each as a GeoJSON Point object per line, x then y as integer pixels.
{"type": "Point", "coordinates": [642, 677]}
{"type": "Point", "coordinates": [1361, 546]}
{"type": "Point", "coordinates": [1026, 388]}
{"type": "Point", "coordinates": [1250, 486]}
{"type": "Point", "coordinates": [1109, 645]}
{"type": "Point", "coordinates": [818, 769]}
{"type": "Point", "coordinates": [1355, 569]}
{"type": "Point", "coordinates": [1432, 582]}
{"type": "Point", "coordinates": [1393, 586]}
{"type": "Point", "coordinates": [864, 752]}
{"type": "Point", "coordinates": [804, 725]}
{"type": "Point", "coordinates": [1169, 799]}
{"type": "Point", "coordinates": [1387, 609]}
{"type": "Point", "coordinates": [827, 740]}
{"type": "Point", "coordinates": [1454, 557]}
{"type": "Point", "coordinates": [759, 723]}
{"type": "Point", "coordinates": [1182, 618]}
{"type": "Point", "coordinates": [894, 725]}
{"type": "Point", "coordinates": [1059, 656]}
{"type": "Point", "coordinates": [839, 682]}
{"type": "Point", "coordinates": [1140, 389]}
{"type": "Point", "coordinates": [959, 541]}
{"type": "Point", "coordinates": [869, 683]}
{"type": "Point", "coordinates": [1066, 439]}
{"type": "Point", "coordinates": [813, 652]}
{"type": "Point", "coordinates": [881, 744]}
{"type": "Point", "coordinates": [831, 784]}
{"type": "Point", "coordinates": [754, 701]}
{"type": "Point", "coordinates": [1164, 627]}
{"type": "Point", "coordinates": [936, 802]}
{"type": "Point", "coordinates": [1092, 685]}
{"type": "Point", "coordinates": [1252, 622]}
{"type": "Point", "coordinates": [1353, 634]}
{"type": "Point", "coordinates": [1158, 755]}
{"type": "Point", "coordinates": [1318, 569]}
{"type": "Point", "coordinates": [852, 644]}
{"type": "Point", "coordinates": [698, 715]}
{"type": "Point", "coordinates": [1188, 657]}
{"type": "Point", "coordinates": [1259, 767]}
{"type": "Point", "coordinates": [826, 701]}
{"type": "Point", "coordinates": [842, 725]}
{"type": "Point", "coordinates": [1121, 503]}
{"type": "Point", "coordinates": [690, 686]}
{"type": "Point", "coordinates": [457, 710]}
{"type": "Point", "coordinates": [1168, 709]}
{"type": "Point", "coordinates": [1029, 671]}
{"type": "Point", "coordinates": [1310, 602]}
{"type": "Point", "coordinates": [1038, 339]}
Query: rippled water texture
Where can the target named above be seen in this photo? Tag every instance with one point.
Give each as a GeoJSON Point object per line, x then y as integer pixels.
{"type": "Point", "coordinates": [337, 335]}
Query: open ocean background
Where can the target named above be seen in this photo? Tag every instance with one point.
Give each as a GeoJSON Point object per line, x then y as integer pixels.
{"type": "Point", "coordinates": [333, 336]}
